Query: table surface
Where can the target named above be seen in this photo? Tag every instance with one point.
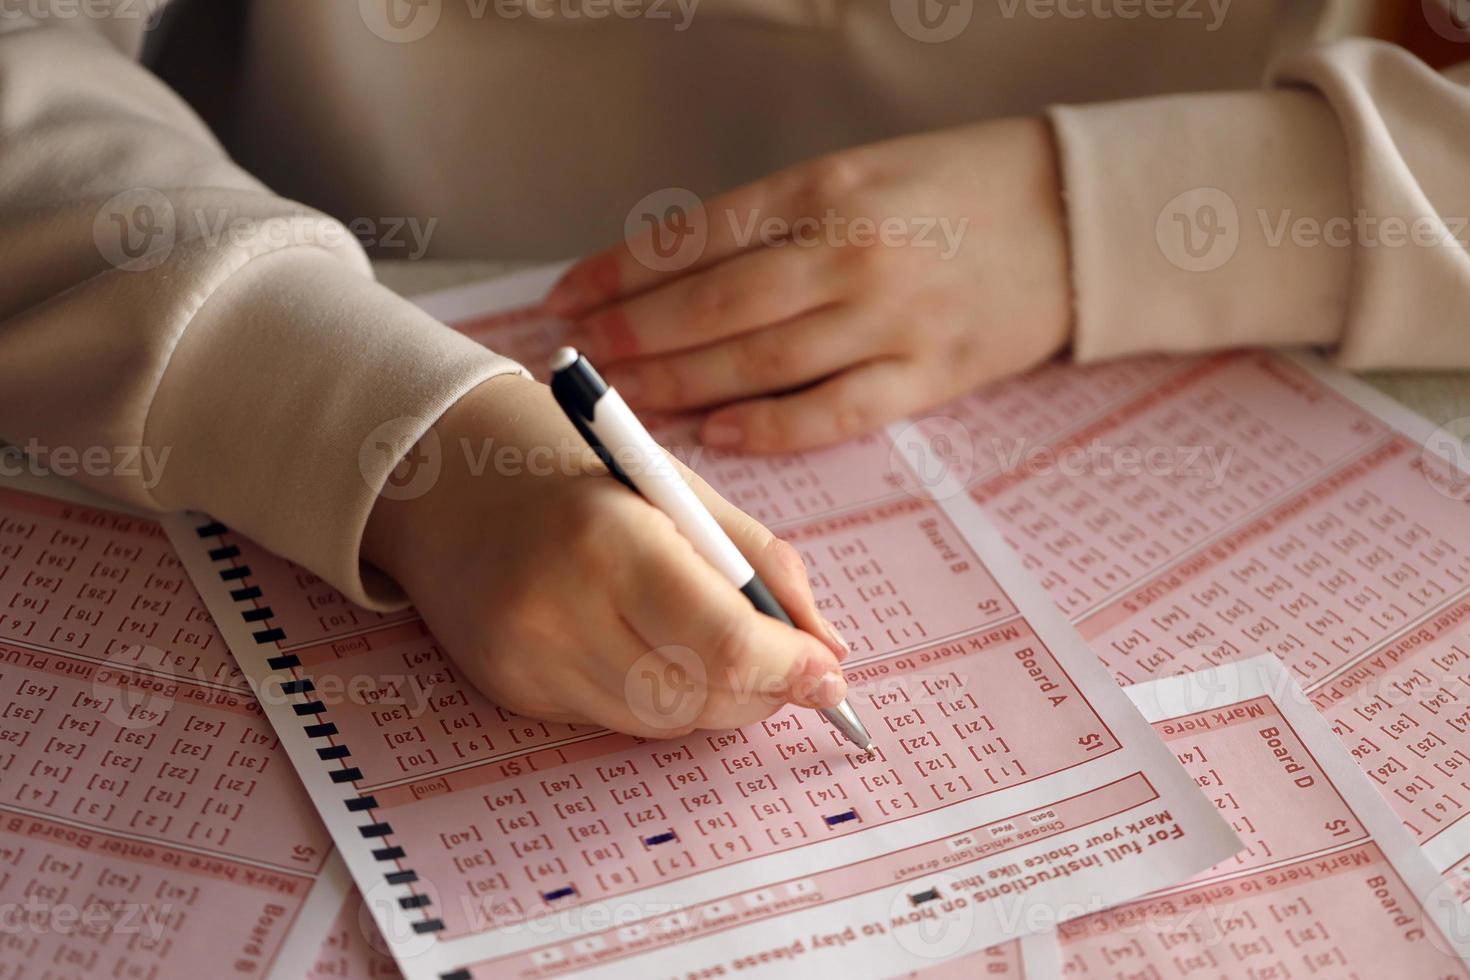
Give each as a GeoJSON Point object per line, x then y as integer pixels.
{"type": "Point", "coordinates": [1437, 395]}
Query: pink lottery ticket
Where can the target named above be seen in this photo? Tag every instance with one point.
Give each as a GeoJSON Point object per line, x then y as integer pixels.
{"type": "Point", "coordinates": [485, 844]}
{"type": "Point", "coordinates": [1329, 884]}
{"type": "Point", "coordinates": [150, 824]}
{"type": "Point", "coordinates": [1187, 513]}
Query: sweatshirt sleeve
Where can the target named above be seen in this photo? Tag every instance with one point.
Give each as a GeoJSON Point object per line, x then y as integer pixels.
{"type": "Point", "coordinates": [1330, 209]}
{"type": "Point", "coordinates": [192, 339]}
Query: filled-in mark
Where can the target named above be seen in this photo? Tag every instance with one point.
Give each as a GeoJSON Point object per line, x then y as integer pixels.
{"type": "Point", "coordinates": [919, 898]}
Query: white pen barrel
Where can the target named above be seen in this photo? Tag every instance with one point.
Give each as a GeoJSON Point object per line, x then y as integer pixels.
{"type": "Point", "coordinates": [649, 469]}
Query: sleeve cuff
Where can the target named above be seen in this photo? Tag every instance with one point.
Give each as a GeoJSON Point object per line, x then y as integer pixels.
{"type": "Point", "coordinates": [1205, 221]}
{"type": "Point", "coordinates": [293, 395]}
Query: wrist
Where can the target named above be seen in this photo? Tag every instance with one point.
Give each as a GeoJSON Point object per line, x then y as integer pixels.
{"type": "Point", "coordinates": [416, 497]}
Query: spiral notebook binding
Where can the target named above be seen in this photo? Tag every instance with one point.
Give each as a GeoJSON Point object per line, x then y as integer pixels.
{"type": "Point", "coordinates": [311, 711]}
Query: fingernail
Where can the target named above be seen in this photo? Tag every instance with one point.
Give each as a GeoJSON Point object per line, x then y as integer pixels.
{"type": "Point", "coordinates": [831, 689]}
{"type": "Point", "coordinates": [835, 640]}
{"type": "Point", "coordinates": [720, 435]}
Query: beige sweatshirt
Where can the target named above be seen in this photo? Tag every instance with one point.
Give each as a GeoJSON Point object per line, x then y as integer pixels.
{"type": "Point", "coordinates": [156, 295]}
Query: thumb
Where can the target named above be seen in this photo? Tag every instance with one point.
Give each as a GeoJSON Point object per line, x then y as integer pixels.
{"type": "Point", "coordinates": [777, 563]}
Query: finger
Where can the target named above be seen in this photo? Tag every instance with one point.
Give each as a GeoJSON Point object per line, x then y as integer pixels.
{"type": "Point", "coordinates": [751, 290]}
{"type": "Point", "coordinates": [777, 563]}
{"type": "Point", "coordinates": [752, 663]}
{"type": "Point", "coordinates": [766, 361]}
{"type": "Point", "coordinates": [841, 408]}
{"type": "Point", "coordinates": [732, 223]}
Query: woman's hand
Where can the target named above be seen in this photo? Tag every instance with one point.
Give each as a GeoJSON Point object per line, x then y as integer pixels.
{"type": "Point", "coordinates": [565, 596]}
{"type": "Point", "coordinates": [843, 293]}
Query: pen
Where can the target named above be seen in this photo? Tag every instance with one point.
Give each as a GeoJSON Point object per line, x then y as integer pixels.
{"type": "Point", "coordinates": [614, 432]}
